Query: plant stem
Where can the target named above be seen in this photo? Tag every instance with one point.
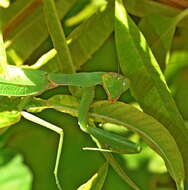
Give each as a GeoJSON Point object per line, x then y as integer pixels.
{"type": "Point", "coordinates": [3, 58]}
{"type": "Point", "coordinates": [181, 16]}
{"type": "Point", "coordinates": [180, 185]}
{"type": "Point", "coordinates": [65, 62]}
{"type": "Point", "coordinates": [18, 18]}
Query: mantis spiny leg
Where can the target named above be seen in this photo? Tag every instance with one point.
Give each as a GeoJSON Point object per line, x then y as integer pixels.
{"type": "Point", "coordinates": [86, 100]}
{"type": "Point", "coordinates": [58, 130]}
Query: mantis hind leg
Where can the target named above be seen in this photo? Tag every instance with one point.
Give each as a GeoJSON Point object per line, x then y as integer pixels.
{"type": "Point", "coordinates": [54, 128]}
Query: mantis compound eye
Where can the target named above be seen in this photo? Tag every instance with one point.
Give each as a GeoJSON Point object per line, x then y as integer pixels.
{"type": "Point", "coordinates": [114, 85]}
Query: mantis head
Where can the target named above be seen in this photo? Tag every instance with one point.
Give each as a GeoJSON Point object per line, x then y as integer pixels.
{"type": "Point", "coordinates": [114, 85]}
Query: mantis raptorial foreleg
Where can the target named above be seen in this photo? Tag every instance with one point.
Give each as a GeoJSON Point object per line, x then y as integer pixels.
{"type": "Point", "coordinates": [54, 128]}
{"type": "Point", "coordinates": [115, 142]}
{"type": "Point", "coordinates": [26, 82]}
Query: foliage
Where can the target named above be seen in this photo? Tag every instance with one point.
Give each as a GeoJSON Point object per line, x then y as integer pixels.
{"type": "Point", "coordinates": [144, 40]}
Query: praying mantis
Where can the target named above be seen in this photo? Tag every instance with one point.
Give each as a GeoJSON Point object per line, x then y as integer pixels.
{"type": "Point", "coordinates": [27, 83]}
{"type": "Point", "coordinates": [21, 85]}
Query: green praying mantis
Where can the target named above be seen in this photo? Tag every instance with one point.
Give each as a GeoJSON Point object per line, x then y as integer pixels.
{"type": "Point", "coordinates": [27, 83]}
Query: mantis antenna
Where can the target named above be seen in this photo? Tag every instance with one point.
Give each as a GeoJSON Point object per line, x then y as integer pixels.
{"type": "Point", "coordinates": [54, 128]}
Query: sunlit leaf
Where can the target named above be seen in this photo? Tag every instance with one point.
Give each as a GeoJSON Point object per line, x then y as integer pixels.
{"type": "Point", "coordinates": [33, 33]}
{"type": "Point", "coordinates": [159, 31]}
{"type": "Point", "coordinates": [147, 81]}
{"type": "Point", "coordinates": [69, 104]}
{"type": "Point", "coordinates": [94, 30]}
{"type": "Point", "coordinates": [97, 180]}
{"type": "Point", "coordinates": [86, 12]}
{"type": "Point", "coordinates": [58, 37]}
{"type": "Point", "coordinates": [8, 118]}
{"type": "Point", "coordinates": [148, 128]}
{"type": "Point", "coordinates": [63, 103]}
{"type": "Point", "coordinates": [4, 3]}
{"type": "Point", "coordinates": [23, 82]}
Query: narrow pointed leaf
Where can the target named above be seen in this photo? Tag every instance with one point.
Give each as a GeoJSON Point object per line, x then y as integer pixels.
{"type": "Point", "coordinates": [147, 81]}
{"type": "Point", "coordinates": [86, 12]}
{"type": "Point", "coordinates": [153, 132]}
{"type": "Point", "coordinates": [117, 167]}
{"type": "Point", "coordinates": [142, 8]}
{"type": "Point", "coordinates": [62, 103]}
{"type": "Point", "coordinates": [95, 30]}
{"type": "Point", "coordinates": [69, 104]}
{"type": "Point", "coordinates": [64, 61]}
{"type": "Point", "coordinates": [159, 31]}
{"type": "Point", "coordinates": [32, 34]}
{"type": "Point", "coordinates": [96, 182]}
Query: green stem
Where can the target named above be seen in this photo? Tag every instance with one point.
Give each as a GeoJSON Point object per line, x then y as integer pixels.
{"type": "Point", "coordinates": [3, 58]}
{"type": "Point", "coordinates": [180, 185]}
{"type": "Point", "coordinates": [43, 60]}
{"type": "Point", "coordinates": [58, 37]}
{"type": "Point", "coordinates": [181, 16]}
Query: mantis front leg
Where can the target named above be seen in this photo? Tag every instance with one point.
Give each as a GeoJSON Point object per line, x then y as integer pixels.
{"type": "Point", "coordinates": [115, 142]}
{"type": "Point", "coordinates": [54, 128]}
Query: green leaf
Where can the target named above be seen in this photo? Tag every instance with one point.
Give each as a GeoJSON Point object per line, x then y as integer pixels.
{"type": "Point", "coordinates": [58, 37]}
{"type": "Point", "coordinates": [7, 14]}
{"type": "Point", "coordinates": [178, 61]}
{"type": "Point", "coordinates": [86, 12]}
{"type": "Point", "coordinates": [95, 30]}
{"type": "Point", "coordinates": [159, 31]}
{"type": "Point", "coordinates": [8, 118]}
{"type": "Point", "coordinates": [97, 180]}
{"type": "Point", "coordinates": [152, 132]}
{"type": "Point", "coordinates": [14, 174]}
{"type": "Point", "coordinates": [181, 92]}
{"type": "Point", "coordinates": [142, 8]}
{"type": "Point", "coordinates": [22, 82]}
{"type": "Point", "coordinates": [118, 168]}
{"type": "Point", "coordinates": [39, 145]}
{"type": "Point", "coordinates": [147, 81]}
{"type": "Point", "coordinates": [69, 104]}
{"type": "Point", "coordinates": [146, 126]}
{"type": "Point", "coordinates": [62, 103]}
{"type": "Point", "coordinates": [32, 34]}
